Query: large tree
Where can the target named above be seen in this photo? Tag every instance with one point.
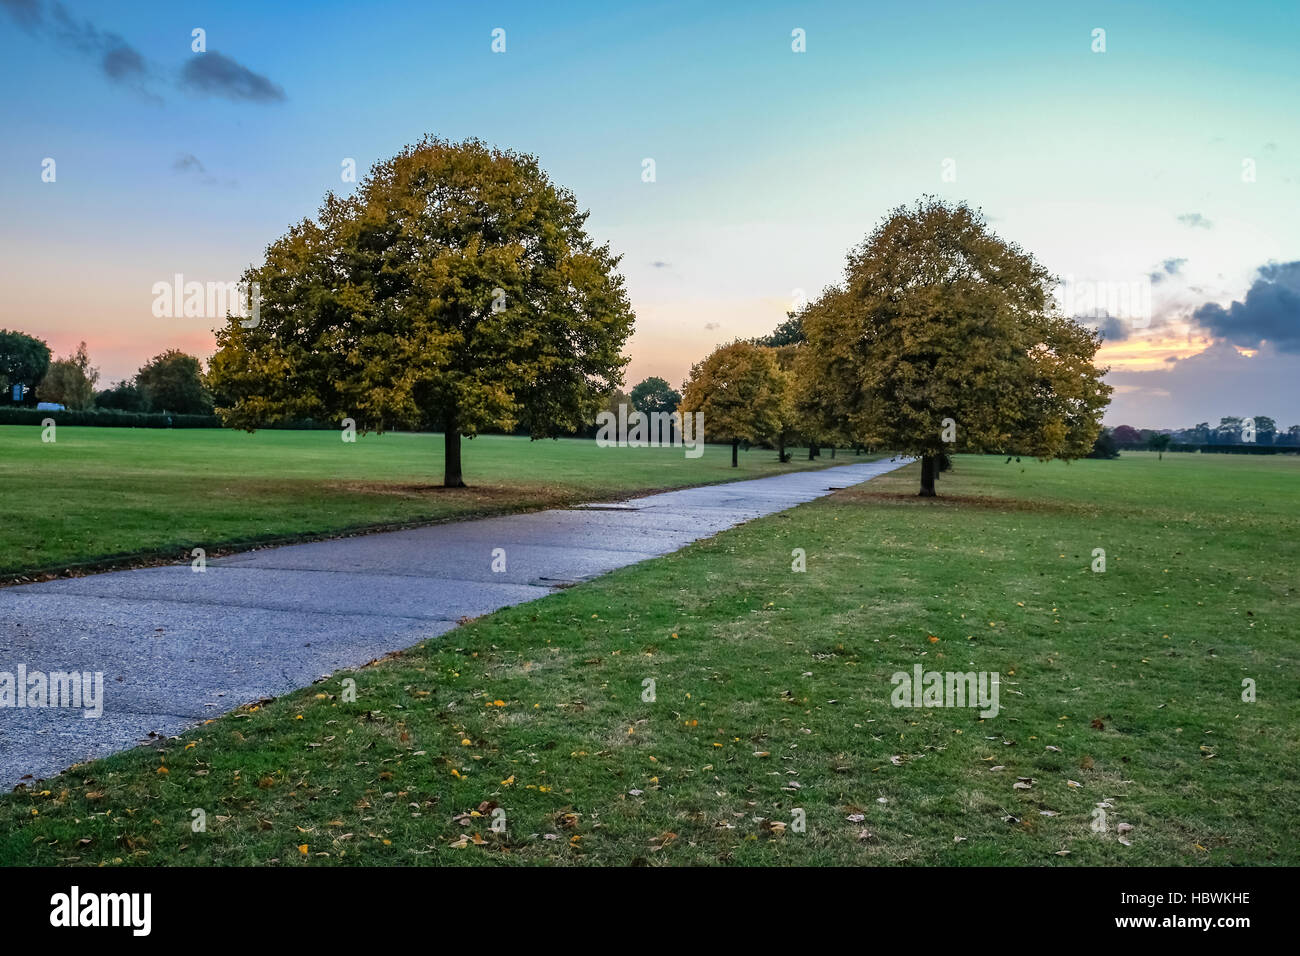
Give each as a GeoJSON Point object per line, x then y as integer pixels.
{"type": "Point", "coordinates": [457, 288]}
{"type": "Point", "coordinates": [70, 381]}
{"type": "Point", "coordinates": [123, 396]}
{"type": "Point", "coordinates": [789, 332]}
{"type": "Point", "coordinates": [790, 424]}
{"type": "Point", "coordinates": [944, 338]}
{"type": "Point", "coordinates": [24, 360]}
{"type": "Point", "coordinates": [1229, 430]}
{"type": "Point", "coordinates": [173, 382]}
{"type": "Point", "coordinates": [741, 391]}
{"type": "Point", "coordinates": [1128, 435]}
{"type": "Point", "coordinates": [654, 395]}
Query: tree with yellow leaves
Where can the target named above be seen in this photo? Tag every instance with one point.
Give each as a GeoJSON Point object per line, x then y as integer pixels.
{"type": "Point", "coordinates": [741, 391]}
{"type": "Point", "coordinates": [943, 338]}
{"type": "Point", "coordinates": [456, 289]}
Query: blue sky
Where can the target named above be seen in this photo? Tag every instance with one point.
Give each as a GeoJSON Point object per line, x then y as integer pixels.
{"type": "Point", "coordinates": [770, 164]}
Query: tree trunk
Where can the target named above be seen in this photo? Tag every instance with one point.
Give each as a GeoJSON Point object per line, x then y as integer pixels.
{"type": "Point", "coordinates": [832, 452]}
{"type": "Point", "coordinates": [780, 449]}
{"type": "Point", "coordinates": [929, 468]}
{"type": "Point", "coordinates": [813, 450]}
{"type": "Point", "coordinates": [451, 476]}
{"type": "Point", "coordinates": [735, 447]}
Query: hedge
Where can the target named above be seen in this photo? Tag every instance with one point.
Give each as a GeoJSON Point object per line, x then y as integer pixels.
{"type": "Point", "coordinates": [1244, 448]}
{"type": "Point", "coordinates": [106, 418]}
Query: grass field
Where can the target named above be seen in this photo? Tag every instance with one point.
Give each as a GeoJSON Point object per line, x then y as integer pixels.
{"type": "Point", "coordinates": [97, 495]}
{"type": "Point", "coordinates": [772, 695]}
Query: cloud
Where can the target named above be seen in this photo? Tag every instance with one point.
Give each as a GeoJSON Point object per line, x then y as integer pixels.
{"type": "Point", "coordinates": [216, 74]}
{"type": "Point", "coordinates": [710, 326]}
{"type": "Point", "coordinates": [117, 59]}
{"type": "Point", "coordinates": [659, 264]}
{"type": "Point", "coordinates": [1170, 267]}
{"type": "Point", "coordinates": [26, 13]}
{"type": "Point", "coordinates": [1270, 312]}
{"type": "Point", "coordinates": [1111, 328]}
{"type": "Point", "coordinates": [1195, 220]}
{"type": "Point", "coordinates": [122, 62]}
{"type": "Point", "coordinates": [186, 162]}
{"type": "Point", "coordinates": [1207, 386]}
{"type": "Point", "coordinates": [212, 74]}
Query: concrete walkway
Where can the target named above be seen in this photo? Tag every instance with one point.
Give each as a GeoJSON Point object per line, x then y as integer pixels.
{"type": "Point", "coordinates": [177, 647]}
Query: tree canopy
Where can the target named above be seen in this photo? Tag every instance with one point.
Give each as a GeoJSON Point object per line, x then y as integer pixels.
{"type": "Point", "coordinates": [456, 288]}
{"type": "Point", "coordinates": [173, 382]}
{"type": "Point", "coordinates": [70, 381]}
{"type": "Point", "coordinates": [654, 395]}
{"type": "Point", "coordinates": [741, 391]}
{"type": "Point", "coordinates": [943, 337]}
{"type": "Point", "coordinates": [24, 360]}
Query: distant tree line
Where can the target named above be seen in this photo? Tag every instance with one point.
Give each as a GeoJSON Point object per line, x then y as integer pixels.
{"type": "Point", "coordinates": [1257, 435]}
{"type": "Point", "coordinates": [171, 382]}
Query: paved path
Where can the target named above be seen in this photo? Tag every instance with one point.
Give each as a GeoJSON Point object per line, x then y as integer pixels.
{"type": "Point", "coordinates": [177, 647]}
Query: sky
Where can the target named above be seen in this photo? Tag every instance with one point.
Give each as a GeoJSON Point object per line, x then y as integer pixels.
{"type": "Point", "coordinates": [1155, 162]}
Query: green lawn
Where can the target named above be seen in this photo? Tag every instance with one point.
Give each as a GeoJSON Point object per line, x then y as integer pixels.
{"type": "Point", "coordinates": [773, 694]}
{"type": "Point", "coordinates": [99, 494]}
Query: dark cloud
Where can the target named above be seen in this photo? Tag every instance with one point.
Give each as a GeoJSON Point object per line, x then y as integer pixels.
{"type": "Point", "coordinates": [659, 264]}
{"type": "Point", "coordinates": [1204, 387]}
{"type": "Point", "coordinates": [1170, 267]}
{"type": "Point", "coordinates": [118, 60]}
{"type": "Point", "coordinates": [187, 162]}
{"type": "Point", "coordinates": [122, 63]}
{"type": "Point", "coordinates": [218, 75]}
{"type": "Point", "coordinates": [1270, 312]}
{"type": "Point", "coordinates": [26, 13]}
{"type": "Point", "coordinates": [208, 73]}
{"type": "Point", "coordinates": [1195, 220]}
{"type": "Point", "coordinates": [1111, 328]}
